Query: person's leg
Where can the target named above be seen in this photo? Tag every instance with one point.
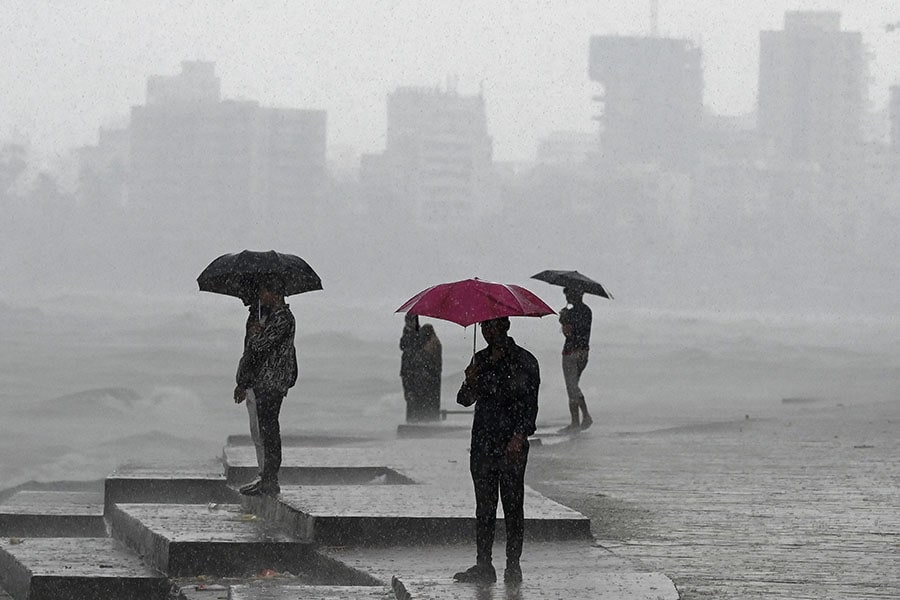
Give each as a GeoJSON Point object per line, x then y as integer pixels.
{"type": "Point", "coordinates": [254, 431]}
{"type": "Point", "coordinates": [571, 375]}
{"type": "Point", "coordinates": [485, 477]}
{"type": "Point", "coordinates": [512, 494]}
{"type": "Point", "coordinates": [586, 420]}
{"type": "Point", "coordinates": [268, 409]}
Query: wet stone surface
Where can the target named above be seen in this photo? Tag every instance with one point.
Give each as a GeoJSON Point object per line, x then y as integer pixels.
{"type": "Point", "coordinates": [76, 568]}
{"type": "Point", "coordinates": [52, 514]}
{"type": "Point", "coordinates": [270, 592]}
{"type": "Point", "coordinates": [189, 484]}
{"type": "Point", "coordinates": [215, 539]}
{"type": "Point", "coordinates": [383, 515]}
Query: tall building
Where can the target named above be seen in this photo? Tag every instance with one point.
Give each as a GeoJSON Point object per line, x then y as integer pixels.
{"type": "Point", "coordinates": [438, 157]}
{"type": "Point", "coordinates": [812, 89]}
{"type": "Point", "coordinates": [895, 118]}
{"type": "Point", "coordinates": [652, 99]}
{"type": "Point", "coordinates": [566, 148]}
{"type": "Point", "coordinates": [194, 156]}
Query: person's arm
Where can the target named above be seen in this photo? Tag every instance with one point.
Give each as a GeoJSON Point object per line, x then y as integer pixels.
{"type": "Point", "coordinates": [468, 392]}
{"type": "Point", "coordinates": [527, 405]}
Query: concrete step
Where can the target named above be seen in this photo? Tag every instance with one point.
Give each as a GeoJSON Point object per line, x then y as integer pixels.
{"type": "Point", "coordinates": [211, 539]}
{"type": "Point", "coordinates": [316, 466]}
{"type": "Point", "coordinates": [309, 440]}
{"type": "Point", "coordinates": [153, 484]}
{"type": "Point", "coordinates": [77, 569]}
{"type": "Point", "coordinates": [574, 570]}
{"type": "Point", "coordinates": [52, 514]}
{"type": "Point", "coordinates": [431, 429]}
{"type": "Point", "coordinates": [409, 514]}
{"type": "Point", "coordinates": [305, 592]}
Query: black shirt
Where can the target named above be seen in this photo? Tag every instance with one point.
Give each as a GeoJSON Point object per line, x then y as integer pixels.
{"type": "Point", "coordinates": [505, 394]}
{"type": "Point", "coordinates": [579, 317]}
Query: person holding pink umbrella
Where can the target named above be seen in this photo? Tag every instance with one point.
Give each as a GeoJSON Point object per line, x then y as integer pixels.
{"type": "Point", "coordinates": [502, 383]}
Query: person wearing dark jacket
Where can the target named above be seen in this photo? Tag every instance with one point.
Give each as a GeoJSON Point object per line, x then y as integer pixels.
{"type": "Point", "coordinates": [269, 368]}
{"type": "Point", "coordinates": [257, 316]}
{"type": "Point", "coordinates": [420, 370]}
{"type": "Point", "coordinates": [502, 382]}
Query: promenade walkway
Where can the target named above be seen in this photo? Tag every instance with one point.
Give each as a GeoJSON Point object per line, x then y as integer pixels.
{"type": "Point", "coordinates": [366, 519]}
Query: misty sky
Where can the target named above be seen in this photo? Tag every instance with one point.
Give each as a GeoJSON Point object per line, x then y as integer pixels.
{"type": "Point", "coordinates": [69, 67]}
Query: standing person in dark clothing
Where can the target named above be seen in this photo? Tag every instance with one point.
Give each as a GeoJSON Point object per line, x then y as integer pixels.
{"type": "Point", "coordinates": [256, 317]}
{"type": "Point", "coordinates": [410, 364]}
{"type": "Point", "coordinates": [576, 327]}
{"type": "Point", "coordinates": [502, 382]}
{"type": "Point", "coordinates": [420, 370]}
{"type": "Point", "coordinates": [430, 376]}
{"type": "Point", "coordinates": [269, 368]}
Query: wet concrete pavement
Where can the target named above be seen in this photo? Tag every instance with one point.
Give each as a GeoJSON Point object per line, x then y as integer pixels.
{"type": "Point", "coordinates": [195, 542]}
{"type": "Point", "coordinates": [793, 503]}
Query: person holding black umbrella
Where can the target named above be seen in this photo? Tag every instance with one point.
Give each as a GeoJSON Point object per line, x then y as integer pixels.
{"type": "Point", "coordinates": [268, 367]}
{"type": "Point", "coordinates": [576, 327]}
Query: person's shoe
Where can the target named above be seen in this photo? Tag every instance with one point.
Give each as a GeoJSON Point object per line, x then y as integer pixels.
{"type": "Point", "coordinates": [513, 573]}
{"type": "Point", "coordinates": [269, 488]}
{"type": "Point", "coordinates": [251, 485]}
{"type": "Point", "coordinates": [254, 488]}
{"type": "Point", "coordinates": [477, 574]}
{"type": "Point", "coordinates": [586, 422]}
{"type": "Point", "coordinates": [571, 428]}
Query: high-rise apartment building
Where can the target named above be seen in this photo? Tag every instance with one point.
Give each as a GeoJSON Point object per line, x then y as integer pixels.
{"type": "Point", "coordinates": [652, 99]}
{"type": "Point", "coordinates": [438, 160]}
{"type": "Point", "coordinates": [812, 89]}
{"type": "Point", "coordinates": [193, 155]}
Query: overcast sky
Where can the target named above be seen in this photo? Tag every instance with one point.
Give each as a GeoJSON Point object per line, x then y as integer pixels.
{"type": "Point", "coordinates": [69, 67]}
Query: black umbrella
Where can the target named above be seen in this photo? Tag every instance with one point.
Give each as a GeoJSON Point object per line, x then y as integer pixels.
{"type": "Point", "coordinates": [574, 280]}
{"type": "Point", "coordinates": [240, 274]}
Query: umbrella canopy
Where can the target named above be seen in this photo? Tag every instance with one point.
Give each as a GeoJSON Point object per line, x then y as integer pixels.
{"type": "Point", "coordinates": [239, 274]}
{"type": "Point", "coordinates": [471, 301]}
{"type": "Point", "coordinates": [575, 280]}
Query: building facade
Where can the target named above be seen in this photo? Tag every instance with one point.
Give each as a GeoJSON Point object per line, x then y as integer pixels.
{"type": "Point", "coordinates": [194, 156]}
{"type": "Point", "coordinates": [438, 157]}
{"type": "Point", "coordinates": [652, 99]}
{"type": "Point", "coordinates": [812, 89]}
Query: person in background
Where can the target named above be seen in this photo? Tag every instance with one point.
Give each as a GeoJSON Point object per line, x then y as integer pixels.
{"type": "Point", "coordinates": [576, 327]}
{"type": "Point", "coordinates": [430, 376]}
{"type": "Point", "coordinates": [502, 382]}
{"type": "Point", "coordinates": [269, 368]}
{"type": "Point", "coordinates": [255, 318]}
{"type": "Point", "coordinates": [410, 363]}
{"type": "Point", "coordinates": [420, 370]}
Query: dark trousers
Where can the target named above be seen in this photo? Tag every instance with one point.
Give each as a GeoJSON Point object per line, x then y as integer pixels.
{"type": "Point", "coordinates": [268, 408]}
{"type": "Point", "coordinates": [490, 476]}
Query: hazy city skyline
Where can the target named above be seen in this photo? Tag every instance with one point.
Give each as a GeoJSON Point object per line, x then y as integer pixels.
{"type": "Point", "coordinates": [70, 70]}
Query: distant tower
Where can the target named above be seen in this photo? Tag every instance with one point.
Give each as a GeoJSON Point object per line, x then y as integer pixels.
{"type": "Point", "coordinates": [438, 153]}
{"type": "Point", "coordinates": [652, 98]}
{"type": "Point", "coordinates": [812, 88]}
{"type": "Point", "coordinates": [654, 18]}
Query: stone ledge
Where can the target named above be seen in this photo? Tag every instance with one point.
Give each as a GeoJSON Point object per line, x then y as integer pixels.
{"type": "Point", "coordinates": [77, 569]}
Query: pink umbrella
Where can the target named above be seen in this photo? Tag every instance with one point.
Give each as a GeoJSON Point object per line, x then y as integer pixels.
{"type": "Point", "coordinates": [472, 301]}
